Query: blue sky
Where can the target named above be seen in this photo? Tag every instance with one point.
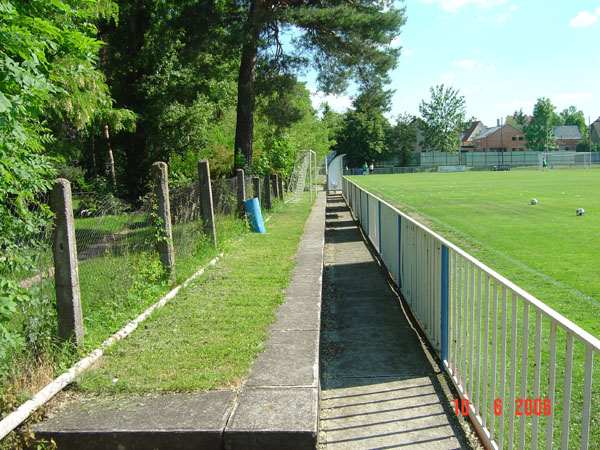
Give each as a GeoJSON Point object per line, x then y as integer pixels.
{"type": "Point", "coordinates": [501, 54]}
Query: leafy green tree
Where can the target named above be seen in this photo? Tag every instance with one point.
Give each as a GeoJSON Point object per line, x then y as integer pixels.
{"type": "Point", "coordinates": [540, 131]}
{"type": "Point", "coordinates": [573, 116]}
{"type": "Point", "coordinates": [443, 119]}
{"type": "Point", "coordinates": [518, 120]}
{"type": "Point", "coordinates": [403, 137]}
{"type": "Point", "coordinates": [173, 63]}
{"type": "Point", "coordinates": [332, 121]}
{"type": "Point", "coordinates": [48, 57]}
{"type": "Point", "coordinates": [364, 133]}
{"type": "Point", "coordinates": [341, 40]}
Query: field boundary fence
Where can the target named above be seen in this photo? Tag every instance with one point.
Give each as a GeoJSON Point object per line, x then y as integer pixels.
{"type": "Point", "coordinates": [108, 251]}
{"type": "Point", "coordinates": [523, 371]}
{"type": "Point", "coordinates": [433, 161]}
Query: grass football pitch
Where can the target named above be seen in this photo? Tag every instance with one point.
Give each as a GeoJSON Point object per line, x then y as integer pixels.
{"type": "Point", "coordinates": [546, 248]}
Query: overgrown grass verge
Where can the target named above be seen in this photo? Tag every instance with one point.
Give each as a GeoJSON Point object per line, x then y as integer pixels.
{"type": "Point", "coordinates": [211, 333]}
{"type": "Point", "coordinates": [115, 288]}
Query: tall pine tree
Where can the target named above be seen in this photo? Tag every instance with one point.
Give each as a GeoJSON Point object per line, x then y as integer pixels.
{"type": "Point", "coordinates": [342, 40]}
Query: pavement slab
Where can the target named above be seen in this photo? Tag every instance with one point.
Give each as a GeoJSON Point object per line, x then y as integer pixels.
{"type": "Point", "coordinates": [178, 421]}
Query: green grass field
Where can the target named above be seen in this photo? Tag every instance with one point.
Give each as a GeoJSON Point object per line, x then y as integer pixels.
{"type": "Point", "coordinates": [546, 249]}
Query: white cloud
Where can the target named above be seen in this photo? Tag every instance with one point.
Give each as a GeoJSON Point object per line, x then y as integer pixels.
{"type": "Point", "coordinates": [455, 5]}
{"type": "Point", "coordinates": [339, 103]}
{"type": "Point", "coordinates": [585, 19]}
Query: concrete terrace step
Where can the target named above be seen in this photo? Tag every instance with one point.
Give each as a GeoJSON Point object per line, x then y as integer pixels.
{"type": "Point", "coordinates": [277, 407]}
{"type": "Point", "coordinates": [167, 421]}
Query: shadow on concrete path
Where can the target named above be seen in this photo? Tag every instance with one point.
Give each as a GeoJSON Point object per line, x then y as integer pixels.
{"type": "Point", "coordinates": [379, 389]}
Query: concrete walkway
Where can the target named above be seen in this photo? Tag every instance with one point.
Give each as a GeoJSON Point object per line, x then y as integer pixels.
{"type": "Point", "coordinates": [379, 390]}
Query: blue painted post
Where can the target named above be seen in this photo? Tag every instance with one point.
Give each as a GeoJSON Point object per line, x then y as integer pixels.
{"type": "Point", "coordinates": [445, 301]}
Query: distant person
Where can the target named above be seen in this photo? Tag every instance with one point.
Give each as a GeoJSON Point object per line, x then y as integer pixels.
{"type": "Point", "coordinates": [365, 168]}
{"type": "Point", "coordinates": [371, 168]}
{"type": "Point", "coordinates": [545, 163]}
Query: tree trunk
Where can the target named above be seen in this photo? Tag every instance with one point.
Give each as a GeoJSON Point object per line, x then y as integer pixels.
{"type": "Point", "coordinates": [246, 94]}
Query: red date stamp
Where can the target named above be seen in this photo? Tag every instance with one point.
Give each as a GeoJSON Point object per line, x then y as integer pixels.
{"type": "Point", "coordinates": [527, 407]}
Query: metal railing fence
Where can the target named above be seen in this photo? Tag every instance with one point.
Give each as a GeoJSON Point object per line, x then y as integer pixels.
{"type": "Point", "coordinates": [524, 372]}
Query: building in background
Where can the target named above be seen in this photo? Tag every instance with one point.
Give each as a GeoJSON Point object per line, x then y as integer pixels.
{"type": "Point", "coordinates": [475, 129]}
{"type": "Point", "coordinates": [595, 132]}
{"type": "Point", "coordinates": [501, 138]}
{"type": "Point", "coordinates": [567, 137]}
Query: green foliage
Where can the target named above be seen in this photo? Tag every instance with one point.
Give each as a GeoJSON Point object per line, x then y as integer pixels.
{"type": "Point", "coordinates": [176, 72]}
{"type": "Point", "coordinates": [342, 41]}
{"type": "Point", "coordinates": [540, 131]}
{"type": "Point", "coordinates": [362, 137]}
{"type": "Point", "coordinates": [48, 53]}
{"type": "Point", "coordinates": [443, 119]}
{"type": "Point", "coordinates": [518, 120]}
{"type": "Point", "coordinates": [98, 199]}
{"type": "Point", "coordinates": [365, 132]}
{"type": "Point", "coordinates": [403, 137]}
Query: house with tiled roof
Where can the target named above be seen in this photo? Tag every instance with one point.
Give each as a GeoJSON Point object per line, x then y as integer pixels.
{"type": "Point", "coordinates": [468, 136]}
{"type": "Point", "coordinates": [501, 138]}
{"type": "Point", "coordinates": [595, 131]}
{"type": "Point", "coordinates": [567, 137]}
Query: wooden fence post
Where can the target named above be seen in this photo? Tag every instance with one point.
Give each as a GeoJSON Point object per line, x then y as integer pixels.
{"type": "Point", "coordinates": [241, 191]}
{"type": "Point", "coordinates": [256, 187]}
{"type": "Point", "coordinates": [267, 192]}
{"type": "Point", "coordinates": [206, 201]}
{"type": "Point", "coordinates": [280, 187]}
{"type": "Point", "coordinates": [165, 244]}
{"type": "Point", "coordinates": [66, 272]}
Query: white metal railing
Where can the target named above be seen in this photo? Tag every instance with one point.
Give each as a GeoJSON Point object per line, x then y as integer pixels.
{"type": "Point", "coordinates": [524, 372]}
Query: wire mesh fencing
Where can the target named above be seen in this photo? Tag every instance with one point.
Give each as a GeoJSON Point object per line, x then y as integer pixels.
{"type": "Point", "coordinates": [118, 260]}
{"type": "Point", "coordinates": [119, 267]}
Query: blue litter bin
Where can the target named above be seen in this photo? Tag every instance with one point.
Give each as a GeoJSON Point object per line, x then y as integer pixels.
{"type": "Point", "coordinates": [255, 217]}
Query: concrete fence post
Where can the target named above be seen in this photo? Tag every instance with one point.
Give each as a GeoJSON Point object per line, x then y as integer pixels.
{"type": "Point", "coordinates": [256, 187]}
{"type": "Point", "coordinates": [165, 244]}
{"type": "Point", "coordinates": [206, 201]}
{"type": "Point", "coordinates": [267, 193]}
{"type": "Point", "coordinates": [241, 191]}
{"type": "Point", "coordinates": [275, 184]}
{"type": "Point", "coordinates": [66, 272]}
